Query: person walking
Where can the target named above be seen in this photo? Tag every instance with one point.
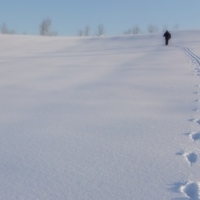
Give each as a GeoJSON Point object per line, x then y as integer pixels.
{"type": "Point", "coordinates": [167, 36]}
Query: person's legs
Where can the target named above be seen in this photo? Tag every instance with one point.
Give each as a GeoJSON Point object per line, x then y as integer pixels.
{"type": "Point", "coordinates": [166, 41]}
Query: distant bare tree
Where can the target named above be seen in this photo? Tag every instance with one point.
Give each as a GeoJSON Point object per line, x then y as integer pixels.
{"type": "Point", "coordinates": [127, 32]}
{"type": "Point", "coordinates": [80, 32]}
{"type": "Point", "coordinates": [45, 28]}
{"type": "Point", "coordinates": [136, 30]}
{"type": "Point", "coordinates": [100, 30]}
{"type": "Point", "coordinates": [12, 32]}
{"type": "Point", "coordinates": [5, 29]}
{"type": "Point", "coordinates": [87, 31]}
{"type": "Point", "coordinates": [152, 28]}
{"type": "Point", "coordinates": [53, 33]}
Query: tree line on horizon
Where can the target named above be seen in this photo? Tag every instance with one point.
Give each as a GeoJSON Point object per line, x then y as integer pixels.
{"type": "Point", "coordinates": [45, 29]}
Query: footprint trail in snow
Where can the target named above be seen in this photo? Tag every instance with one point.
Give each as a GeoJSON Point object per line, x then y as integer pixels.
{"type": "Point", "coordinates": [191, 189]}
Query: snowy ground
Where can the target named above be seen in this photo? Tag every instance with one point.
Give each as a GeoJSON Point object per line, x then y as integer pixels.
{"type": "Point", "coordinates": [100, 118]}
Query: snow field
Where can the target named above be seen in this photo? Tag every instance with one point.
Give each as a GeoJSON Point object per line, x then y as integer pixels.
{"type": "Point", "coordinates": [99, 118]}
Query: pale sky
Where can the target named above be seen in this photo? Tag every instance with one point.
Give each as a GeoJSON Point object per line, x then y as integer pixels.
{"type": "Point", "coordinates": [68, 16]}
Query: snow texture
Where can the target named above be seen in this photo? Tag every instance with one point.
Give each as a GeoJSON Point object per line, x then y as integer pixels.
{"type": "Point", "coordinates": [100, 118]}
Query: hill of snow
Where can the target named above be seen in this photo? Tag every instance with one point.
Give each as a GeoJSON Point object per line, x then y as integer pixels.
{"type": "Point", "coordinates": [100, 118]}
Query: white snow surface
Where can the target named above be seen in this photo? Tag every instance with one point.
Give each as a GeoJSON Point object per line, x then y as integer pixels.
{"type": "Point", "coordinates": [100, 118]}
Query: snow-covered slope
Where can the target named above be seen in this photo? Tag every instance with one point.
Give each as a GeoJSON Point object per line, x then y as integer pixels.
{"type": "Point", "coordinates": [100, 118]}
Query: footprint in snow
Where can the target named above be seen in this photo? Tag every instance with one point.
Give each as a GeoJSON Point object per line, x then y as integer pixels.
{"type": "Point", "coordinates": [195, 120]}
{"type": "Point", "coordinates": [195, 136]}
{"type": "Point", "coordinates": [191, 190]}
{"type": "Point", "coordinates": [197, 109]}
{"type": "Point", "coordinates": [191, 157]}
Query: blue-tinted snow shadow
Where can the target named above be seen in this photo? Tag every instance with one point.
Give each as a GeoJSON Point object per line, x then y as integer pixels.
{"type": "Point", "coordinates": [175, 188]}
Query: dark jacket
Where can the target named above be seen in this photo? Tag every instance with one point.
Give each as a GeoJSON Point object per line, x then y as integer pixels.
{"type": "Point", "coordinates": [167, 35]}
